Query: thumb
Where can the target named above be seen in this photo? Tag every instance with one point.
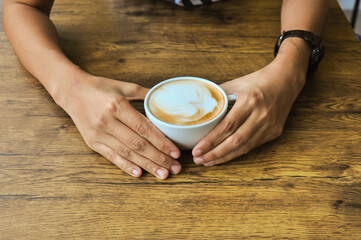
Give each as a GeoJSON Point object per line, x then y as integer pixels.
{"type": "Point", "coordinates": [138, 93]}
{"type": "Point", "coordinates": [132, 91]}
{"type": "Point", "coordinates": [230, 89]}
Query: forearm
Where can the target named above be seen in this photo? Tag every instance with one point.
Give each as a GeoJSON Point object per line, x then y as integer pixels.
{"type": "Point", "coordinates": [35, 41]}
{"type": "Point", "coordinates": [308, 15]}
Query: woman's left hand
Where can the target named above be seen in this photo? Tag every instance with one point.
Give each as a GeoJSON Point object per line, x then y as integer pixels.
{"type": "Point", "coordinates": [264, 100]}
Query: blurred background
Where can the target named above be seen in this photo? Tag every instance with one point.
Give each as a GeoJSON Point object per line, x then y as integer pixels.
{"type": "Point", "coordinates": [348, 7]}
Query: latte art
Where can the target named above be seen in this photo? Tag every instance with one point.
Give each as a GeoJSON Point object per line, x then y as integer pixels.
{"type": "Point", "coordinates": [186, 102]}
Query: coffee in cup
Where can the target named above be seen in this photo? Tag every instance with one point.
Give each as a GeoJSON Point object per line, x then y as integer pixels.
{"type": "Point", "coordinates": [185, 109]}
{"type": "Point", "coordinates": [186, 102]}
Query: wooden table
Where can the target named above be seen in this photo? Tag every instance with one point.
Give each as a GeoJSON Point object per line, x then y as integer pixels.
{"type": "Point", "coordinates": [304, 185]}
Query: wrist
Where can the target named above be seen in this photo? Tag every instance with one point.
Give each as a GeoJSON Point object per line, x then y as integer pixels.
{"type": "Point", "coordinates": [294, 56]}
{"type": "Point", "coordinates": [64, 84]}
{"type": "Point", "coordinates": [296, 52]}
{"type": "Point", "coordinates": [291, 63]}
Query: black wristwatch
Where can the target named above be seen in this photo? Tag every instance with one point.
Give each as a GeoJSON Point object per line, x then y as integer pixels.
{"type": "Point", "coordinates": [315, 42]}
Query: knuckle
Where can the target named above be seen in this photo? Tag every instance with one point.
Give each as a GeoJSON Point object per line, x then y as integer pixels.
{"type": "Point", "coordinates": [211, 156]}
{"type": "Point", "coordinates": [227, 127]}
{"type": "Point", "coordinates": [264, 115]}
{"type": "Point", "coordinates": [236, 140]}
{"type": "Point", "coordinates": [115, 102]}
{"type": "Point", "coordinates": [207, 144]}
{"type": "Point", "coordinates": [162, 160]}
{"type": "Point", "coordinates": [142, 129]}
{"type": "Point", "coordinates": [125, 152]}
{"type": "Point", "coordinates": [101, 123]}
{"type": "Point", "coordinates": [251, 102]}
{"type": "Point", "coordinates": [138, 144]}
{"type": "Point", "coordinates": [245, 148]}
{"type": "Point", "coordinates": [163, 146]}
{"type": "Point", "coordinates": [255, 97]}
{"type": "Point", "coordinates": [111, 155]}
{"type": "Point", "coordinates": [112, 106]}
{"type": "Point", "coordinates": [135, 88]}
{"type": "Point", "coordinates": [117, 99]}
{"type": "Point", "coordinates": [149, 166]}
{"type": "Point", "coordinates": [258, 95]}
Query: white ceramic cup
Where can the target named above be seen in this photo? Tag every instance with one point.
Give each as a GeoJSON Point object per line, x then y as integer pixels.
{"type": "Point", "coordinates": [186, 137]}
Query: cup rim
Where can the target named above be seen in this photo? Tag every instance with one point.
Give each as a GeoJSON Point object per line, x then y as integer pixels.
{"type": "Point", "coordinates": [148, 112]}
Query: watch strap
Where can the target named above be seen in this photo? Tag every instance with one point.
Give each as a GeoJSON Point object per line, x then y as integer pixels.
{"type": "Point", "coordinates": [314, 41]}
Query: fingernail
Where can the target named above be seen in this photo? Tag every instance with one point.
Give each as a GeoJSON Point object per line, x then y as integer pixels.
{"type": "Point", "coordinates": [198, 160]}
{"type": "Point", "coordinates": [175, 169]}
{"type": "Point", "coordinates": [135, 172]}
{"type": "Point", "coordinates": [209, 164]}
{"type": "Point", "coordinates": [162, 174]}
{"type": "Point", "coordinates": [198, 152]}
{"type": "Point", "coordinates": [174, 155]}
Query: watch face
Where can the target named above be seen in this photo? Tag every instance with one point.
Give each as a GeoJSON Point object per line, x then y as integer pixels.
{"type": "Point", "coordinates": [315, 55]}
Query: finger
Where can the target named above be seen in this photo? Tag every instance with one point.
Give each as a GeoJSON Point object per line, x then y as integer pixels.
{"type": "Point", "coordinates": [233, 142]}
{"type": "Point", "coordinates": [141, 146]}
{"type": "Point", "coordinates": [126, 153]}
{"type": "Point", "coordinates": [236, 116]}
{"type": "Point", "coordinates": [138, 123]}
{"type": "Point", "coordinates": [117, 160]}
{"type": "Point", "coordinates": [256, 140]}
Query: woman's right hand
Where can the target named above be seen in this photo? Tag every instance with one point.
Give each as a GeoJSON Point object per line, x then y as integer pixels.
{"type": "Point", "coordinates": [109, 124]}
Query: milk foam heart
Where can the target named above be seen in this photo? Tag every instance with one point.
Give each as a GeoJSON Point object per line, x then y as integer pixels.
{"type": "Point", "coordinates": [186, 102]}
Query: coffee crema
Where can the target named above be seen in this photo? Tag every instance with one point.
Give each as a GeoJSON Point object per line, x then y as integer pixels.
{"type": "Point", "coordinates": [186, 102]}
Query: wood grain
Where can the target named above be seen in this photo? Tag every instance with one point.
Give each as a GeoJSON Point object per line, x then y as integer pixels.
{"type": "Point", "coordinates": [304, 185]}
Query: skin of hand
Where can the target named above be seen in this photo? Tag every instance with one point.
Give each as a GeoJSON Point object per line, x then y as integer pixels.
{"type": "Point", "coordinates": [101, 110]}
{"type": "Point", "coordinates": [265, 97]}
{"type": "Point", "coordinates": [99, 107]}
{"type": "Point", "coordinates": [264, 100]}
